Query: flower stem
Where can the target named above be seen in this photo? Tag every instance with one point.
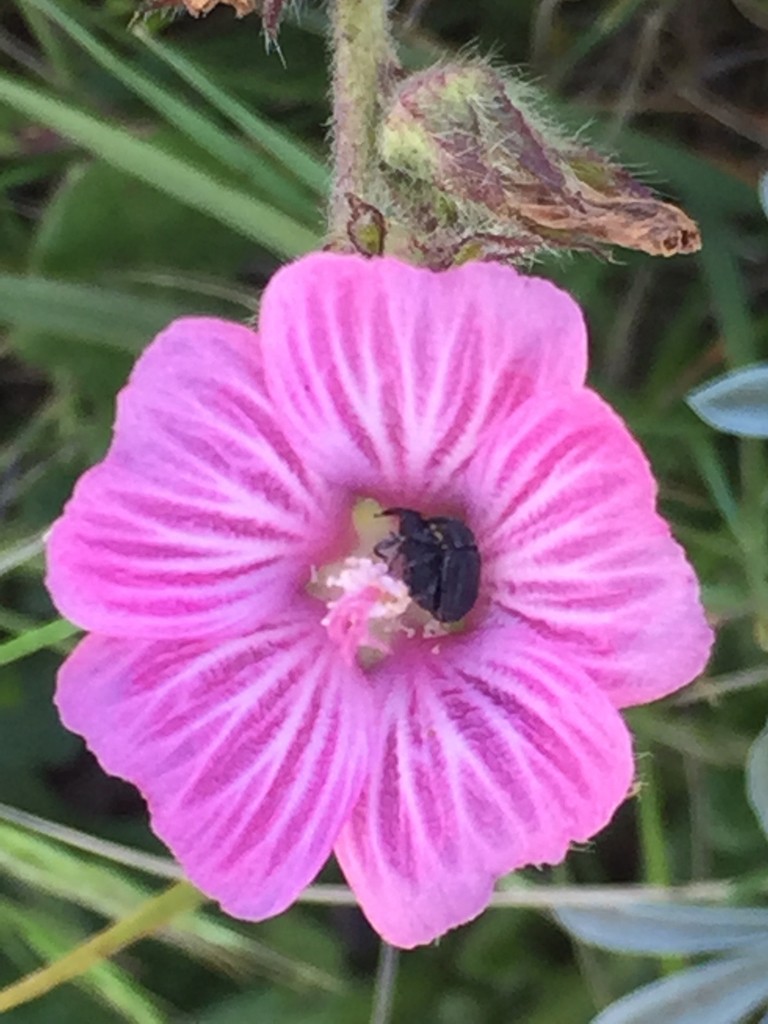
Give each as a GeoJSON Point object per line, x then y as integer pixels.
{"type": "Point", "coordinates": [384, 989]}
{"type": "Point", "coordinates": [362, 53]}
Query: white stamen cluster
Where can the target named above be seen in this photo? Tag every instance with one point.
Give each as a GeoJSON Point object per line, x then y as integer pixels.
{"type": "Point", "coordinates": [358, 574]}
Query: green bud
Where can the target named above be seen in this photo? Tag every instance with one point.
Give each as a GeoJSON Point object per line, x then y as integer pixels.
{"type": "Point", "coordinates": [366, 227]}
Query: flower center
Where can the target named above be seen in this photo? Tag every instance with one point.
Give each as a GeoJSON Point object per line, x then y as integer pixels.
{"type": "Point", "coordinates": [393, 587]}
{"type": "Point", "coordinates": [369, 607]}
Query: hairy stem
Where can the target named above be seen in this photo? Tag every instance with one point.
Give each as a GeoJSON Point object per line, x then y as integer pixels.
{"type": "Point", "coordinates": [362, 55]}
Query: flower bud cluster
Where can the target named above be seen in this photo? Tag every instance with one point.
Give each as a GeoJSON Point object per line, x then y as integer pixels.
{"type": "Point", "coordinates": [473, 169]}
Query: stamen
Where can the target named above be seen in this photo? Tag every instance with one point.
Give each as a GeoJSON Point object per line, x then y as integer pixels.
{"type": "Point", "coordinates": [368, 610]}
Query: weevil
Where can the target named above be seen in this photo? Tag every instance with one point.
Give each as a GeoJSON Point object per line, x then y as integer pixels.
{"type": "Point", "coordinates": [437, 559]}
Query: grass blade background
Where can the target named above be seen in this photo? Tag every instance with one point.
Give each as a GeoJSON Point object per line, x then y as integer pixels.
{"type": "Point", "coordinates": [178, 113]}
{"type": "Point", "coordinates": [170, 174]}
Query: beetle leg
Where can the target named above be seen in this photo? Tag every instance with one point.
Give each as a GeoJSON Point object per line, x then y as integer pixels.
{"type": "Point", "coordinates": [385, 546]}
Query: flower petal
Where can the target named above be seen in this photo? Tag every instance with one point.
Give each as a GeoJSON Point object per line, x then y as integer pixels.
{"type": "Point", "coordinates": [563, 508]}
{"type": "Point", "coordinates": [250, 752]}
{"type": "Point", "coordinates": [201, 516]}
{"type": "Point", "coordinates": [388, 374]}
{"type": "Point", "coordinates": [492, 752]}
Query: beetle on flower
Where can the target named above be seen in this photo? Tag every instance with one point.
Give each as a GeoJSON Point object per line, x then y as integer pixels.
{"type": "Point", "coordinates": [438, 560]}
{"type": "Point", "coordinates": [267, 679]}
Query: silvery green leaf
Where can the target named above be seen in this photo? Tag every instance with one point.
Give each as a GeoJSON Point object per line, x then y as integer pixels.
{"type": "Point", "coordinates": [736, 403]}
{"type": "Point", "coordinates": [669, 928]}
{"type": "Point", "coordinates": [757, 778]}
{"type": "Point", "coordinates": [721, 992]}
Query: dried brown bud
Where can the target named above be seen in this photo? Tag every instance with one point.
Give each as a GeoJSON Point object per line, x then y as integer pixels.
{"type": "Point", "coordinates": [270, 10]}
{"type": "Point", "coordinates": [473, 166]}
{"type": "Point", "coordinates": [242, 7]}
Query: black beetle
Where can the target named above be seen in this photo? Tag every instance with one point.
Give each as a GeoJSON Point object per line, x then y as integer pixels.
{"type": "Point", "coordinates": [437, 559]}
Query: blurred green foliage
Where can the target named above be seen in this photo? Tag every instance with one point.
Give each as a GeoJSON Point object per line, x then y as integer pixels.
{"type": "Point", "coordinates": [169, 170]}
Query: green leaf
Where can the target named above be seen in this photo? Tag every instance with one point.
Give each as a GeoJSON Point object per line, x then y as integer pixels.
{"type": "Point", "coordinates": [667, 928]}
{"type": "Point", "coordinates": [735, 403]}
{"type": "Point", "coordinates": [721, 992]}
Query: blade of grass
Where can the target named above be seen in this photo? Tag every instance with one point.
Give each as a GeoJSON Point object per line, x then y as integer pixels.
{"type": "Point", "coordinates": [11, 558]}
{"type": "Point", "coordinates": [712, 473]}
{"type": "Point", "coordinates": [290, 154]}
{"type": "Point", "coordinates": [653, 843]}
{"type": "Point", "coordinates": [727, 289]}
{"type": "Point", "coordinates": [106, 982]}
{"type": "Point", "coordinates": [669, 356]}
{"type": "Point", "coordinates": [196, 285]}
{"type": "Point", "coordinates": [699, 182]}
{"type": "Point", "coordinates": [16, 624]}
{"type": "Point", "coordinates": [152, 915]}
{"type": "Point", "coordinates": [31, 433]}
{"type": "Point", "coordinates": [161, 867]}
{"type": "Point", "coordinates": [44, 866]}
{"type": "Point", "coordinates": [35, 640]}
{"type": "Point", "coordinates": [515, 891]}
{"type": "Point", "coordinates": [49, 43]}
{"type": "Point", "coordinates": [712, 688]}
{"type": "Point", "coordinates": [753, 530]}
{"type": "Point", "coordinates": [170, 174]}
{"type": "Point", "coordinates": [609, 21]}
{"type": "Point", "coordinates": [83, 312]}
{"type": "Point", "coordinates": [23, 170]}
{"type": "Point", "coordinates": [272, 183]}
{"type": "Point", "coordinates": [385, 984]}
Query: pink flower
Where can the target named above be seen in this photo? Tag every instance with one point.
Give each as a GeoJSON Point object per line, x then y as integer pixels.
{"type": "Point", "coordinates": [213, 556]}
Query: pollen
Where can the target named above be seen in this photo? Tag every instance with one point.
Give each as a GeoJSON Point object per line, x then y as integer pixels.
{"type": "Point", "coordinates": [367, 610]}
